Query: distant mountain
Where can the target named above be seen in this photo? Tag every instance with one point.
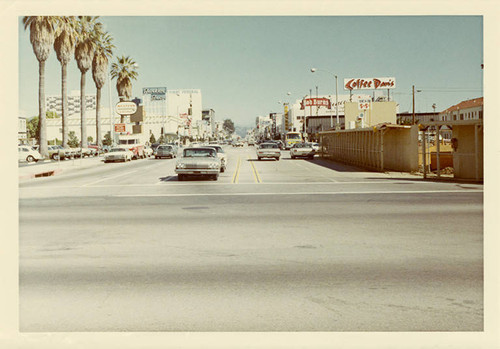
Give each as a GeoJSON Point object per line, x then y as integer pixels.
{"type": "Point", "coordinates": [241, 130]}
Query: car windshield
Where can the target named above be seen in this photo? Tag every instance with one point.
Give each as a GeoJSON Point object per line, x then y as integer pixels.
{"type": "Point", "coordinates": [164, 147]}
{"type": "Point", "coordinates": [293, 136]}
{"type": "Point", "coordinates": [117, 149]}
{"type": "Point", "coordinates": [268, 145]}
{"type": "Point", "coordinates": [199, 153]}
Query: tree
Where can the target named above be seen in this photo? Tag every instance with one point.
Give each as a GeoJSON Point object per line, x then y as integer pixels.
{"type": "Point", "coordinates": [152, 139]}
{"type": "Point", "coordinates": [51, 115]}
{"type": "Point", "coordinates": [64, 45]}
{"type": "Point", "coordinates": [228, 126]}
{"type": "Point", "coordinates": [33, 127]}
{"type": "Point", "coordinates": [84, 54]}
{"type": "Point", "coordinates": [103, 51]}
{"type": "Point", "coordinates": [73, 140]}
{"type": "Point", "coordinates": [42, 34]}
{"type": "Point", "coordinates": [90, 139]}
{"type": "Point", "coordinates": [124, 71]}
{"type": "Point", "coordinates": [107, 139]}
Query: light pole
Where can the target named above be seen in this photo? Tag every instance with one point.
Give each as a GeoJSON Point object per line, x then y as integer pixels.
{"type": "Point", "coordinates": [336, 97]}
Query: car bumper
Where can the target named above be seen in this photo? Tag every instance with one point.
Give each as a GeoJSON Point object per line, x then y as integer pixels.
{"type": "Point", "coordinates": [199, 171]}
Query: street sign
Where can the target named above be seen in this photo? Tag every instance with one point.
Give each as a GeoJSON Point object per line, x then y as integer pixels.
{"type": "Point", "coordinates": [126, 108]}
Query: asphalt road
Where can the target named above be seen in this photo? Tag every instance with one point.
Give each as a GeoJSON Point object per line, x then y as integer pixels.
{"type": "Point", "coordinates": [289, 245]}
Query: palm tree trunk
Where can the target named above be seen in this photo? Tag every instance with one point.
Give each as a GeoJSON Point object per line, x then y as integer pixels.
{"type": "Point", "coordinates": [64, 106]}
{"type": "Point", "coordinates": [98, 118]}
{"type": "Point", "coordinates": [42, 120]}
{"type": "Point", "coordinates": [83, 107]}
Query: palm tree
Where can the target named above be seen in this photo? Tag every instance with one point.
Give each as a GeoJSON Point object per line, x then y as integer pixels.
{"type": "Point", "coordinates": [103, 51]}
{"type": "Point", "coordinates": [124, 71]}
{"type": "Point", "coordinates": [42, 33]}
{"type": "Point", "coordinates": [84, 54]}
{"type": "Point", "coordinates": [64, 45]}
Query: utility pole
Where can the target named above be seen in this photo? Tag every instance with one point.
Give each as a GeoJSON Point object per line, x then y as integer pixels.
{"type": "Point", "coordinates": [413, 116]}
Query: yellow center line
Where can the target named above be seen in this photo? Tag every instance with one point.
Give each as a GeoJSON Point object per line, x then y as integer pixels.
{"type": "Point", "coordinates": [237, 172]}
{"type": "Point", "coordinates": [255, 173]}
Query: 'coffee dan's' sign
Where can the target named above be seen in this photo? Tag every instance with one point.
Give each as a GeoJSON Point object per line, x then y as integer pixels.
{"type": "Point", "coordinates": [369, 83]}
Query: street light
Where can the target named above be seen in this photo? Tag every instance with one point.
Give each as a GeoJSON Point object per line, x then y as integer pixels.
{"type": "Point", "coordinates": [313, 70]}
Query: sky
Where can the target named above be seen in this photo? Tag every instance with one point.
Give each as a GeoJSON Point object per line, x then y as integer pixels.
{"type": "Point", "coordinates": [246, 65]}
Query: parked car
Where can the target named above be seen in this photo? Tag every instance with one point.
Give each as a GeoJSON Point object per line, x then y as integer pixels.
{"type": "Point", "coordinates": [304, 150]}
{"type": "Point", "coordinates": [28, 154]}
{"type": "Point", "coordinates": [198, 161]}
{"type": "Point", "coordinates": [165, 151]}
{"type": "Point", "coordinates": [238, 144]}
{"type": "Point", "coordinates": [268, 150]}
{"type": "Point", "coordinates": [315, 147]}
{"type": "Point", "coordinates": [222, 156]}
{"type": "Point", "coordinates": [118, 154]}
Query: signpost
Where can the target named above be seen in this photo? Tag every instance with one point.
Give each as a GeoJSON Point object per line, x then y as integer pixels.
{"type": "Point", "coordinates": [119, 128]}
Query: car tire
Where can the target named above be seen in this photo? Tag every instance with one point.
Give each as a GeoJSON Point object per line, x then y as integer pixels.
{"type": "Point", "coordinates": [180, 177]}
{"type": "Point", "coordinates": [30, 158]}
{"type": "Point", "coordinates": [259, 158]}
{"type": "Point", "coordinates": [215, 177]}
{"type": "Point", "coordinates": [222, 169]}
{"type": "Point", "coordinates": [55, 157]}
{"type": "Point", "coordinates": [277, 159]}
{"type": "Point", "coordinates": [293, 157]}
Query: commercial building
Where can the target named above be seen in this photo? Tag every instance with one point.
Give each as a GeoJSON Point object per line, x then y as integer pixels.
{"type": "Point", "coordinates": [471, 109]}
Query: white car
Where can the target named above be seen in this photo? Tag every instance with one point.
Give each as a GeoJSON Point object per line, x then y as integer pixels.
{"type": "Point", "coordinates": [315, 147]}
{"type": "Point", "coordinates": [268, 150]}
{"type": "Point", "coordinates": [198, 161]}
{"type": "Point", "coordinates": [221, 154]}
{"type": "Point", "coordinates": [118, 154]}
{"type": "Point", "coordinates": [28, 153]}
{"type": "Point", "coordinates": [303, 150]}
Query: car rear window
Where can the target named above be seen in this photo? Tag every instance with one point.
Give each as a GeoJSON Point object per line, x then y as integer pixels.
{"type": "Point", "coordinates": [268, 146]}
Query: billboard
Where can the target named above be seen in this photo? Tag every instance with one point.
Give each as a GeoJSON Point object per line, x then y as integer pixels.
{"type": "Point", "coordinates": [157, 93]}
{"type": "Point", "coordinates": [370, 83]}
{"type": "Point", "coordinates": [316, 102]}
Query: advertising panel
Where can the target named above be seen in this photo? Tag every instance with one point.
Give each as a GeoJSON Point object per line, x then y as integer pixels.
{"type": "Point", "coordinates": [316, 102]}
{"type": "Point", "coordinates": [157, 93]}
{"type": "Point", "coordinates": [126, 108]}
{"type": "Point", "coordinates": [119, 128]}
{"type": "Point", "coordinates": [370, 83]}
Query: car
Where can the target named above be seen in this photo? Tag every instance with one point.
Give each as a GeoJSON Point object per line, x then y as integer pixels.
{"type": "Point", "coordinates": [268, 150]}
{"type": "Point", "coordinates": [165, 151]}
{"type": "Point", "coordinates": [198, 161]}
{"type": "Point", "coordinates": [315, 146]}
{"type": "Point", "coordinates": [28, 153]}
{"type": "Point", "coordinates": [118, 154]}
{"type": "Point", "coordinates": [304, 150]}
{"type": "Point", "coordinates": [222, 156]}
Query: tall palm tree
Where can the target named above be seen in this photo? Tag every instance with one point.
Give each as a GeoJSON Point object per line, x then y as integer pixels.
{"type": "Point", "coordinates": [64, 45]}
{"type": "Point", "coordinates": [84, 54]}
{"type": "Point", "coordinates": [42, 34]}
{"type": "Point", "coordinates": [103, 52]}
{"type": "Point", "coordinates": [124, 71]}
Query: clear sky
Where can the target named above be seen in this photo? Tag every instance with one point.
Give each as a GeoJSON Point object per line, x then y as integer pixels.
{"type": "Point", "coordinates": [245, 65]}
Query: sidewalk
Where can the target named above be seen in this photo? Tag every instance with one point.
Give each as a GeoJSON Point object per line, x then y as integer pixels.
{"type": "Point", "coordinates": [51, 168]}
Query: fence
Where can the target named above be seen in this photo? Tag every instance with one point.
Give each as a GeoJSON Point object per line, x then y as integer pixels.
{"type": "Point", "coordinates": [383, 147]}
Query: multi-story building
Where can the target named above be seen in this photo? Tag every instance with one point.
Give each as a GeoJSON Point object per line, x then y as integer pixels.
{"type": "Point", "coordinates": [471, 109]}
{"type": "Point", "coordinates": [53, 103]}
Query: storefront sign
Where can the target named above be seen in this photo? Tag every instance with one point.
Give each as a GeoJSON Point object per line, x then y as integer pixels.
{"type": "Point", "coordinates": [315, 102]}
{"type": "Point", "coordinates": [364, 104]}
{"type": "Point", "coordinates": [369, 83]}
{"type": "Point", "coordinates": [119, 128]}
{"type": "Point", "coordinates": [126, 108]}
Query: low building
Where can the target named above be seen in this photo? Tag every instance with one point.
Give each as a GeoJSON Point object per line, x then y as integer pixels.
{"type": "Point", "coordinates": [22, 130]}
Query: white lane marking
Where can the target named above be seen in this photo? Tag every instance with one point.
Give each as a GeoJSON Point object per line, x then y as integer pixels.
{"type": "Point", "coordinates": [208, 183]}
{"type": "Point", "coordinates": [107, 178]}
{"type": "Point", "coordinates": [306, 193]}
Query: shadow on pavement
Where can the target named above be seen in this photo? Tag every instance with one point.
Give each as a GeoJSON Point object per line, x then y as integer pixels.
{"type": "Point", "coordinates": [336, 166]}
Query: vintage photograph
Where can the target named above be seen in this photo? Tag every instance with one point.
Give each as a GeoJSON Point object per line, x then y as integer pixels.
{"type": "Point", "coordinates": [251, 173]}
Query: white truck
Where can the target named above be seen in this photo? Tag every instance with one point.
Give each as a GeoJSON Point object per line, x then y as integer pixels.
{"type": "Point", "coordinates": [134, 144]}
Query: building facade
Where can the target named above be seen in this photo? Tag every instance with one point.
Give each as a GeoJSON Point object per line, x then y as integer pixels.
{"type": "Point", "coordinates": [471, 109]}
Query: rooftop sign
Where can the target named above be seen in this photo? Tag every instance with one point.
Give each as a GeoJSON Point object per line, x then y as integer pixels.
{"type": "Point", "coordinates": [370, 83]}
{"type": "Point", "coordinates": [126, 108]}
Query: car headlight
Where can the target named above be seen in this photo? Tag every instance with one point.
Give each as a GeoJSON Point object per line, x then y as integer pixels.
{"type": "Point", "coordinates": [213, 165]}
{"type": "Point", "coordinates": [180, 165]}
